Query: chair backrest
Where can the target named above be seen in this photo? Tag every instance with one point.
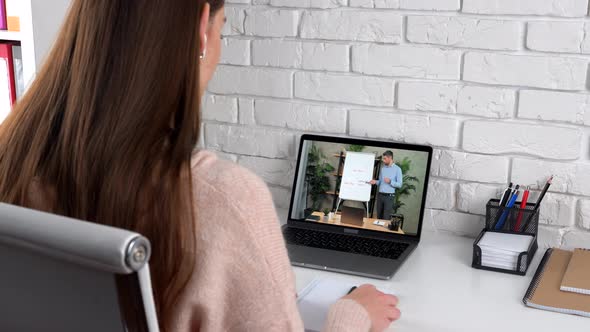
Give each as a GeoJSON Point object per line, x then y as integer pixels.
{"type": "Point", "coordinates": [63, 274]}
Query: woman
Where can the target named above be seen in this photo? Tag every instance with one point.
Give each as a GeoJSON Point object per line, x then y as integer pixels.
{"type": "Point", "coordinates": [107, 133]}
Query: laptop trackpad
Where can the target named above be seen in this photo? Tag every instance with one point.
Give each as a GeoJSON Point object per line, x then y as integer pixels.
{"type": "Point", "coordinates": [342, 261]}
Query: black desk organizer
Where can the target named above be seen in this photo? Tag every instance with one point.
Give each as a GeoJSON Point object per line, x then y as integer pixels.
{"type": "Point", "coordinates": [493, 212]}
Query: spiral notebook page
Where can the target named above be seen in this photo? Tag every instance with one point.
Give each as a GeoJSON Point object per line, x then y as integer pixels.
{"type": "Point", "coordinates": [577, 275]}
{"type": "Point", "coordinates": [314, 301]}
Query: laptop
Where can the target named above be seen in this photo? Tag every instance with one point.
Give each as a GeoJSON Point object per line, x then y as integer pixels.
{"type": "Point", "coordinates": [352, 216]}
{"type": "Point", "coordinates": [357, 181]}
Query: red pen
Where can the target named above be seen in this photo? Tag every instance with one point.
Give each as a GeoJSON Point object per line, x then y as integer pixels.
{"type": "Point", "coordinates": [525, 197]}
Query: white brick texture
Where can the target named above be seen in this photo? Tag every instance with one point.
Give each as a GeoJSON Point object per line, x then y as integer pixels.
{"type": "Point", "coordinates": [427, 96]}
{"type": "Point", "coordinates": [306, 55]}
{"type": "Point", "coordinates": [486, 102]}
{"type": "Point", "coordinates": [465, 32]}
{"type": "Point", "coordinates": [253, 81]}
{"type": "Point", "coordinates": [557, 209]}
{"type": "Point", "coordinates": [571, 178]}
{"type": "Point", "coordinates": [278, 172]}
{"type": "Point", "coordinates": [576, 239]}
{"type": "Point", "coordinates": [440, 131]}
{"type": "Point", "coordinates": [453, 222]}
{"type": "Point", "coordinates": [430, 4]}
{"type": "Point", "coordinates": [583, 214]}
{"type": "Point", "coordinates": [469, 167]}
{"type": "Point", "coordinates": [371, 91]}
{"type": "Point", "coordinates": [473, 197]}
{"type": "Point", "coordinates": [441, 195]}
{"type": "Point", "coordinates": [408, 61]}
{"type": "Point", "coordinates": [565, 8]}
{"type": "Point", "coordinates": [277, 53]}
{"type": "Point", "coordinates": [555, 106]}
{"type": "Point", "coordinates": [375, 3]}
{"type": "Point", "coordinates": [510, 137]}
{"type": "Point", "coordinates": [246, 111]}
{"type": "Point", "coordinates": [235, 51]}
{"type": "Point", "coordinates": [500, 89]}
{"type": "Point", "coordinates": [235, 21]}
{"type": "Point", "coordinates": [549, 72]}
{"type": "Point", "coordinates": [271, 23]}
{"type": "Point", "coordinates": [315, 118]}
{"type": "Point", "coordinates": [556, 36]}
{"type": "Point", "coordinates": [549, 237]}
{"type": "Point", "coordinates": [220, 108]}
{"type": "Point", "coordinates": [250, 141]}
{"type": "Point", "coordinates": [385, 27]}
{"type": "Point", "coordinates": [308, 3]}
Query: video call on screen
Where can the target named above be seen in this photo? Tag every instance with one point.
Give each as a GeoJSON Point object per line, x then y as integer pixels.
{"type": "Point", "coordinates": [383, 187]}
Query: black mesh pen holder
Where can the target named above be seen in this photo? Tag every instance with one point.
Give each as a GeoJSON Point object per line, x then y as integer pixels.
{"type": "Point", "coordinates": [516, 221]}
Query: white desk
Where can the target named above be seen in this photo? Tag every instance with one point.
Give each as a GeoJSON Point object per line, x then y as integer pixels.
{"type": "Point", "coordinates": [439, 291]}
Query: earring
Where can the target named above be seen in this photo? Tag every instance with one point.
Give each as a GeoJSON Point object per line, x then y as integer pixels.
{"type": "Point", "coordinates": [204, 53]}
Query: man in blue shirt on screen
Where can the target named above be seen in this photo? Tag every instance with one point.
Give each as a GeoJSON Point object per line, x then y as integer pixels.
{"type": "Point", "coordinates": [390, 179]}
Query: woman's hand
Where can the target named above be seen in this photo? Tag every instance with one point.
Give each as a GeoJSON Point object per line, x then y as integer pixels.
{"type": "Point", "coordinates": [380, 306]}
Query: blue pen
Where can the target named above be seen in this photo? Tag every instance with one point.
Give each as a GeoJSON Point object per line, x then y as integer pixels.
{"type": "Point", "coordinates": [500, 223]}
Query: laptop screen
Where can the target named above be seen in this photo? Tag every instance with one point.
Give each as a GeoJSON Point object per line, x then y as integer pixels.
{"type": "Point", "coordinates": [361, 184]}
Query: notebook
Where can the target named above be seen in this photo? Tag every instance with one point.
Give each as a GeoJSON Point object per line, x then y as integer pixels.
{"type": "Point", "coordinates": [315, 299]}
{"type": "Point", "coordinates": [544, 292]}
{"type": "Point", "coordinates": [577, 275]}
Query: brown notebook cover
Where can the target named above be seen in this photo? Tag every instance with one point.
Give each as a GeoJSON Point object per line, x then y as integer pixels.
{"type": "Point", "coordinates": [577, 275]}
{"type": "Point", "coordinates": [544, 292]}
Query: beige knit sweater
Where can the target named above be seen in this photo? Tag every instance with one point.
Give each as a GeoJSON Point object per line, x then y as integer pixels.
{"type": "Point", "coordinates": [243, 280]}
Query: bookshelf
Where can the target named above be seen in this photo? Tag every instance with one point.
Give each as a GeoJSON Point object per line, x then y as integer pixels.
{"type": "Point", "coordinates": [40, 21]}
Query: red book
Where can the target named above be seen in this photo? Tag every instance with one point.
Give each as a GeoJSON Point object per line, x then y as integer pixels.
{"type": "Point", "coordinates": [7, 72]}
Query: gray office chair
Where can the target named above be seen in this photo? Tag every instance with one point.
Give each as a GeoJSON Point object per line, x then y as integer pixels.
{"type": "Point", "coordinates": [62, 274]}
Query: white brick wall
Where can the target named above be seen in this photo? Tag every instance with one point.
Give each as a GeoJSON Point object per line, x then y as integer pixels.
{"type": "Point", "coordinates": [557, 36]}
{"type": "Point", "coordinates": [498, 87]}
{"type": "Point", "coordinates": [427, 96]}
{"type": "Point", "coordinates": [549, 72]}
{"type": "Point", "coordinates": [512, 137]}
{"type": "Point", "coordinates": [566, 8]}
{"type": "Point", "coordinates": [441, 195]}
{"type": "Point", "coordinates": [374, 26]}
{"type": "Point", "coordinates": [316, 118]}
{"type": "Point", "coordinates": [556, 106]}
{"type": "Point", "coordinates": [306, 55]}
{"type": "Point", "coordinates": [465, 32]}
{"type": "Point", "coordinates": [471, 196]}
{"type": "Point", "coordinates": [406, 61]}
{"type": "Point", "coordinates": [373, 91]}
{"type": "Point", "coordinates": [271, 22]}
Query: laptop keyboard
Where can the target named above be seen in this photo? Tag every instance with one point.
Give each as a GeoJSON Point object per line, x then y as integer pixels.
{"type": "Point", "coordinates": [344, 243]}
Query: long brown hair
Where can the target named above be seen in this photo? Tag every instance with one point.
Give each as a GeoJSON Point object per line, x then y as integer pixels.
{"type": "Point", "coordinates": [109, 126]}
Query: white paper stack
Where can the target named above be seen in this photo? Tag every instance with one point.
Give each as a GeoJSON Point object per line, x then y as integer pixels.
{"type": "Point", "coordinates": [501, 250]}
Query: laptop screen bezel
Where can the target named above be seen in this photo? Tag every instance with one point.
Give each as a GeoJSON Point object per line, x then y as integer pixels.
{"type": "Point", "coordinates": [353, 230]}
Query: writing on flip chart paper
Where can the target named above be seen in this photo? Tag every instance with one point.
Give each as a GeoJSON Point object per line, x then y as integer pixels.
{"type": "Point", "coordinates": [358, 171]}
